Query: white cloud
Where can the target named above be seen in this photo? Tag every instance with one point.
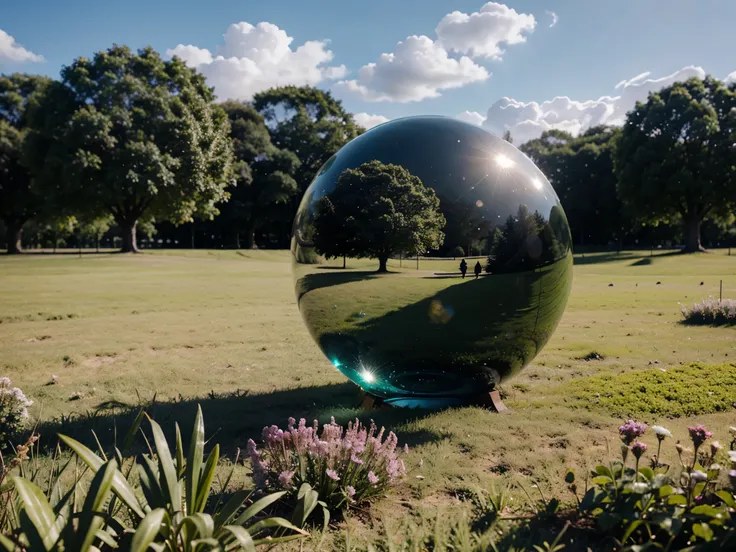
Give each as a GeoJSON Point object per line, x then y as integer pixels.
{"type": "Point", "coordinates": [11, 51]}
{"type": "Point", "coordinates": [417, 69]}
{"type": "Point", "coordinates": [730, 78]}
{"type": "Point", "coordinates": [254, 58]}
{"type": "Point", "coordinates": [528, 120]}
{"type": "Point", "coordinates": [480, 34]}
{"type": "Point", "coordinates": [472, 117]}
{"type": "Point", "coordinates": [554, 17]}
{"type": "Point", "coordinates": [366, 120]}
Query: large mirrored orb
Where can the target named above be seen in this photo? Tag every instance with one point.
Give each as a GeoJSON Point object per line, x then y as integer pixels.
{"type": "Point", "coordinates": [419, 332]}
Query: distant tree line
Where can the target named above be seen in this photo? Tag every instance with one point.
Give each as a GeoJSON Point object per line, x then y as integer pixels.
{"type": "Point", "coordinates": [128, 148]}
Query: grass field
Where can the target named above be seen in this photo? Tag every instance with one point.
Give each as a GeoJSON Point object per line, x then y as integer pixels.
{"type": "Point", "coordinates": [222, 328]}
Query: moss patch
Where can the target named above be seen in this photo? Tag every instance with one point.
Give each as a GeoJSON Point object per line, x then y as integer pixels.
{"type": "Point", "coordinates": [682, 391]}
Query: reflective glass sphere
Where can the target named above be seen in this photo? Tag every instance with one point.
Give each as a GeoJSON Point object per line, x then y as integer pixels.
{"type": "Point", "coordinates": [432, 261]}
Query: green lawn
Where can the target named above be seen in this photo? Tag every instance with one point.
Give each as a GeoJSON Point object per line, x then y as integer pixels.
{"type": "Point", "coordinates": [221, 328]}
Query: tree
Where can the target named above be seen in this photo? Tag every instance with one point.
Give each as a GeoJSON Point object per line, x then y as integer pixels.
{"type": "Point", "coordinates": [377, 211]}
{"type": "Point", "coordinates": [580, 170]}
{"type": "Point", "coordinates": [18, 203]}
{"type": "Point", "coordinates": [675, 159]}
{"type": "Point", "coordinates": [134, 136]}
{"type": "Point", "coordinates": [507, 136]}
{"type": "Point", "coordinates": [95, 228]}
{"type": "Point", "coordinates": [263, 172]}
{"type": "Point", "coordinates": [307, 121]}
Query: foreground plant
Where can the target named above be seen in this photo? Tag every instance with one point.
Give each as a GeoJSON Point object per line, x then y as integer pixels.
{"type": "Point", "coordinates": [172, 515]}
{"type": "Point", "coordinates": [13, 411]}
{"type": "Point", "coordinates": [638, 506]}
{"type": "Point", "coordinates": [345, 466]}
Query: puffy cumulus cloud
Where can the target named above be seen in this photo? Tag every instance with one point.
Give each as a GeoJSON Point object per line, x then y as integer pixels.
{"type": "Point", "coordinates": [417, 69]}
{"type": "Point", "coordinates": [254, 58]}
{"type": "Point", "coordinates": [472, 117]}
{"type": "Point", "coordinates": [11, 51]}
{"type": "Point", "coordinates": [481, 33]}
{"type": "Point", "coordinates": [554, 18]}
{"type": "Point", "coordinates": [528, 120]}
{"type": "Point", "coordinates": [366, 120]}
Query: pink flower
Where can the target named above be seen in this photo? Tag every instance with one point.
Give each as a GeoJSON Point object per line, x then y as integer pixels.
{"type": "Point", "coordinates": [351, 490]}
{"type": "Point", "coordinates": [631, 430]}
{"type": "Point", "coordinates": [285, 477]}
{"type": "Point", "coordinates": [372, 478]}
{"type": "Point", "coordinates": [699, 434]}
{"type": "Point", "coordinates": [638, 449]}
{"type": "Point", "coordinates": [332, 475]}
{"type": "Point", "coordinates": [406, 449]}
{"type": "Point", "coordinates": [355, 459]}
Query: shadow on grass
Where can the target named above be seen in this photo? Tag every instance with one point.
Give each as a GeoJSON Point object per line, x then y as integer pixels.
{"type": "Point", "coordinates": [232, 419]}
{"type": "Point", "coordinates": [646, 261]}
{"type": "Point", "coordinates": [311, 282]}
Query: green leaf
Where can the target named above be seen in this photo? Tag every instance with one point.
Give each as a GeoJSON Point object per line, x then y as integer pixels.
{"type": "Point", "coordinates": [727, 498]}
{"type": "Point", "coordinates": [274, 522]}
{"type": "Point", "coordinates": [201, 525]}
{"type": "Point", "coordinates": [135, 426]}
{"type": "Point", "coordinates": [170, 484]}
{"type": "Point", "coordinates": [90, 519]}
{"type": "Point", "coordinates": [648, 473]}
{"type": "Point", "coordinates": [608, 520]}
{"type": "Point", "coordinates": [307, 502]}
{"type": "Point", "coordinates": [570, 476]}
{"type": "Point", "coordinates": [257, 506]}
{"type": "Point", "coordinates": [241, 536]}
{"type": "Point", "coordinates": [179, 452]}
{"type": "Point", "coordinates": [665, 490]}
{"type": "Point", "coordinates": [148, 476]}
{"type": "Point", "coordinates": [677, 500]}
{"type": "Point", "coordinates": [205, 482]}
{"type": "Point", "coordinates": [7, 545]}
{"type": "Point", "coordinates": [602, 480]}
{"type": "Point", "coordinates": [630, 529]}
{"type": "Point", "coordinates": [706, 510]}
{"type": "Point", "coordinates": [703, 531]}
{"type": "Point", "coordinates": [38, 511]}
{"type": "Point", "coordinates": [120, 485]}
{"type": "Point", "coordinates": [147, 530]}
{"type": "Point", "coordinates": [230, 508]}
{"type": "Point", "coordinates": [603, 470]}
{"type": "Point", "coordinates": [194, 461]}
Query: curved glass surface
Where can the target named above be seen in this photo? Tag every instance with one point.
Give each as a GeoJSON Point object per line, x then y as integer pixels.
{"type": "Point", "coordinates": [423, 332]}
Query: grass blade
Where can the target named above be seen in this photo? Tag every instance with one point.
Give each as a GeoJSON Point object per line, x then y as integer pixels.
{"type": "Point", "coordinates": [194, 461]}
{"type": "Point", "coordinates": [147, 530]}
{"type": "Point", "coordinates": [167, 470]}
{"type": "Point", "coordinates": [205, 482]}
{"type": "Point", "coordinates": [38, 512]}
{"type": "Point", "coordinates": [257, 506]}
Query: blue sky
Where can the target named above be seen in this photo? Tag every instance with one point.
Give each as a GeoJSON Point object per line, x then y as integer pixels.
{"type": "Point", "coordinates": [592, 47]}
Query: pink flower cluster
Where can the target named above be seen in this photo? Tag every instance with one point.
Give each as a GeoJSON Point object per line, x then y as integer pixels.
{"type": "Point", "coordinates": [699, 434]}
{"type": "Point", "coordinates": [355, 462]}
{"type": "Point", "coordinates": [631, 431]}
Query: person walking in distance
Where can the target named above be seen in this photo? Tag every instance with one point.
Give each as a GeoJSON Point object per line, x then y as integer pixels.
{"type": "Point", "coordinates": [477, 269]}
{"type": "Point", "coordinates": [463, 267]}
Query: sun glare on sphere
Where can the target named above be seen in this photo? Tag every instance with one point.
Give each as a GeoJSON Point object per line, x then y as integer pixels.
{"type": "Point", "coordinates": [537, 183]}
{"type": "Point", "coordinates": [367, 376]}
{"type": "Point", "coordinates": [504, 161]}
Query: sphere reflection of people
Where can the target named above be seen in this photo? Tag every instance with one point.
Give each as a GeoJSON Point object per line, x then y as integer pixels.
{"type": "Point", "coordinates": [477, 269]}
{"type": "Point", "coordinates": [463, 267]}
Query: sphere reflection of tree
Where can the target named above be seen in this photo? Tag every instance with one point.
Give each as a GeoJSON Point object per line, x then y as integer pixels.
{"type": "Point", "coordinates": [378, 211]}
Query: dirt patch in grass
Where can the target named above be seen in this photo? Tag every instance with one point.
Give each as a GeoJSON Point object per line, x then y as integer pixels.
{"type": "Point", "coordinates": [98, 361]}
{"type": "Point", "coordinates": [688, 390]}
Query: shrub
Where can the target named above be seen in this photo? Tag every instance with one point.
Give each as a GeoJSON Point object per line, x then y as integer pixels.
{"type": "Point", "coordinates": [13, 411]}
{"type": "Point", "coordinates": [680, 391]}
{"type": "Point", "coordinates": [458, 251]}
{"type": "Point", "coordinates": [345, 466]}
{"type": "Point", "coordinates": [711, 312]}
{"type": "Point", "coordinates": [173, 509]}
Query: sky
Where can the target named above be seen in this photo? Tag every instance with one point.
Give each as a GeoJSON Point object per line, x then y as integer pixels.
{"type": "Point", "coordinates": [519, 65]}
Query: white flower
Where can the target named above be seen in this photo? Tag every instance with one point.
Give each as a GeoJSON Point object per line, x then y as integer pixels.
{"type": "Point", "coordinates": [661, 432]}
{"type": "Point", "coordinates": [732, 456]}
{"type": "Point", "coordinates": [699, 476]}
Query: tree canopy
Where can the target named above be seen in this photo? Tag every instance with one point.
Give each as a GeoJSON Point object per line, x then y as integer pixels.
{"type": "Point", "coordinates": [263, 172]}
{"type": "Point", "coordinates": [132, 135]}
{"type": "Point", "coordinates": [18, 203]}
{"type": "Point", "coordinates": [675, 160]}
{"type": "Point", "coordinates": [377, 211]}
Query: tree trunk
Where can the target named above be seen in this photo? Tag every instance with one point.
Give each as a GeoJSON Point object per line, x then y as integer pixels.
{"type": "Point", "coordinates": [382, 264]}
{"type": "Point", "coordinates": [97, 243]}
{"type": "Point", "coordinates": [692, 235]}
{"type": "Point", "coordinates": [130, 244]}
{"type": "Point", "coordinates": [14, 236]}
{"type": "Point", "coordinates": [250, 236]}
{"type": "Point", "coordinates": [344, 261]}
{"type": "Point", "coordinates": [237, 239]}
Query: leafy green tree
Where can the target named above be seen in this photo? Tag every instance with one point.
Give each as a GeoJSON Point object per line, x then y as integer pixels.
{"type": "Point", "coordinates": [93, 229]}
{"type": "Point", "coordinates": [580, 170]}
{"type": "Point", "coordinates": [307, 121]}
{"type": "Point", "coordinates": [264, 175]}
{"type": "Point", "coordinates": [18, 203]}
{"type": "Point", "coordinates": [507, 136]}
{"type": "Point", "coordinates": [134, 136]}
{"type": "Point", "coordinates": [377, 211]}
{"type": "Point", "coordinates": [675, 159]}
